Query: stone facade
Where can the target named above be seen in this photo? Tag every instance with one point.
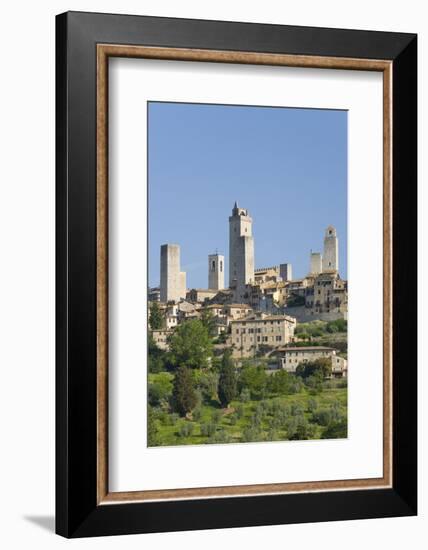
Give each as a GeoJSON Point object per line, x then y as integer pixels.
{"type": "Point", "coordinates": [329, 294]}
{"type": "Point", "coordinates": [241, 252]}
{"type": "Point", "coordinates": [200, 295]}
{"type": "Point", "coordinates": [290, 358]}
{"type": "Point", "coordinates": [161, 338]}
{"type": "Point", "coordinates": [249, 333]}
{"type": "Point", "coordinates": [215, 272]}
{"type": "Point", "coordinates": [265, 274]}
{"type": "Point", "coordinates": [173, 281]}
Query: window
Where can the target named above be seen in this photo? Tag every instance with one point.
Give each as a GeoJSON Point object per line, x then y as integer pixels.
{"type": "Point", "coordinates": [213, 265]}
{"type": "Point", "coordinates": [221, 266]}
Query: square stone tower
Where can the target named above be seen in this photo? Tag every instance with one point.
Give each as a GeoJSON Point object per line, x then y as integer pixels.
{"type": "Point", "coordinates": [330, 260]}
{"type": "Point", "coordinates": [215, 272]}
{"type": "Point", "coordinates": [173, 281]}
{"type": "Point", "coordinates": [316, 263]}
{"type": "Point", "coordinates": [241, 251]}
{"type": "Point", "coordinates": [285, 272]}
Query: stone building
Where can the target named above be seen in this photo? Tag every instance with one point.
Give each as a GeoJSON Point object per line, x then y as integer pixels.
{"type": "Point", "coordinates": [329, 294]}
{"type": "Point", "coordinates": [173, 281]}
{"type": "Point", "coordinates": [290, 358]}
{"type": "Point", "coordinates": [160, 338]}
{"type": "Point", "coordinates": [330, 259]}
{"type": "Point", "coordinates": [249, 333]}
{"type": "Point", "coordinates": [276, 273]}
{"type": "Point", "coordinates": [215, 272]}
{"type": "Point", "coordinates": [241, 252]}
{"type": "Point", "coordinates": [265, 274]}
{"type": "Point", "coordinates": [154, 294]}
{"type": "Point", "coordinates": [200, 295]}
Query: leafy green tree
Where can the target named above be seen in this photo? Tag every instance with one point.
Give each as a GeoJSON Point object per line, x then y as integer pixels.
{"type": "Point", "coordinates": [207, 383]}
{"type": "Point", "coordinates": [253, 379]}
{"type": "Point", "coordinates": [319, 367]}
{"type": "Point", "coordinates": [191, 345]}
{"type": "Point", "coordinates": [208, 429]}
{"type": "Point", "coordinates": [186, 429]}
{"type": "Point", "coordinates": [216, 416]}
{"type": "Point", "coordinates": [251, 433]}
{"type": "Point", "coordinates": [184, 397]}
{"type": "Point", "coordinates": [336, 430]}
{"type": "Point", "coordinates": [245, 395]}
{"type": "Point", "coordinates": [240, 411]}
{"type": "Point", "coordinates": [207, 319]}
{"type": "Point", "coordinates": [220, 436]}
{"type": "Point", "coordinates": [161, 389]}
{"type": "Point", "coordinates": [156, 318]}
{"type": "Point", "coordinates": [227, 384]}
{"type": "Point", "coordinates": [280, 382]}
{"type": "Point", "coordinates": [156, 356]}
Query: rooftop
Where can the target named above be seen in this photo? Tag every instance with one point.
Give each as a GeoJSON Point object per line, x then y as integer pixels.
{"type": "Point", "coordinates": [261, 318]}
{"type": "Point", "coordinates": [306, 348]}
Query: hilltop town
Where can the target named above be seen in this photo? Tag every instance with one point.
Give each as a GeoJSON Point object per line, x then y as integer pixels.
{"type": "Point", "coordinates": [260, 311]}
{"type": "Point", "coordinates": [262, 359]}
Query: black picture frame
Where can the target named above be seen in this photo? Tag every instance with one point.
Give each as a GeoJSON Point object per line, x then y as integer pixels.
{"type": "Point", "coordinates": [77, 511]}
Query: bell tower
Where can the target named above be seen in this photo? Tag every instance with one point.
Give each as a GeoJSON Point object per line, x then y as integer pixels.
{"type": "Point", "coordinates": [216, 271]}
{"type": "Point", "coordinates": [241, 251]}
{"type": "Point", "coordinates": [330, 259]}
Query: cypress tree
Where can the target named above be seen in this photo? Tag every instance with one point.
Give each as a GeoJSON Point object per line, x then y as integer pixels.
{"type": "Point", "coordinates": [227, 384]}
{"type": "Point", "coordinates": [156, 318]}
{"type": "Point", "coordinates": [183, 394]}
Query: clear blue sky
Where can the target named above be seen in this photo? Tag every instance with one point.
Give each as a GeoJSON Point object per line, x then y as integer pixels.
{"type": "Point", "coordinates": [288, 167]}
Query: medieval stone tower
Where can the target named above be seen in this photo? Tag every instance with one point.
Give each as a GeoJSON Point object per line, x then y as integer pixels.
{"type": "Point", "coordinates": [316, 263]}
{"type": "Point", "coordinates": [215, 272]}
{"type": "Point", "coordinates": [172, 280]}
{"type": "Point", "coordinates": [330, 260]}
{"type": "Point", "coordinates": [241, 251]}
{"type": "Point", "coordinates": [286, 272]}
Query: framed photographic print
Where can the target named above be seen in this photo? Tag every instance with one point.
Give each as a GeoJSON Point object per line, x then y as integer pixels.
{"type": "Point", "coordinates": [236, 240]}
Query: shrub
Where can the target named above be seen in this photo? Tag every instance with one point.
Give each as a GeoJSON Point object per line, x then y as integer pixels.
{"type": "Point", "coordinates": [296, 409]}
{"type": "Point", "coordinates": [245, 395]}
{"type": "Point", "coordinates": [336, 430]}
{"type": "Point", "coordinates": [197, 414]}
{"type": "Point", "coordinates": [233, 419]}
{"type": "Point", "coordinates": [251, 434]}
{"type": "Point", "coordinates": [186, 429]}
{"type": "Point", "coordinates": [312, 405]}
{"type": "Point", "coordinates": [240, 411]}
{"type": "Point", "coordinates": [220, 436]}
{"type": "Point", "coordinates": [208, 429]}
{"type": "Point", "coordinates": [216, 416]}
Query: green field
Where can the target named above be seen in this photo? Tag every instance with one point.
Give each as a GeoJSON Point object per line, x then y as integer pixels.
{"type": "Point", "coordinates": [275, 418]}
